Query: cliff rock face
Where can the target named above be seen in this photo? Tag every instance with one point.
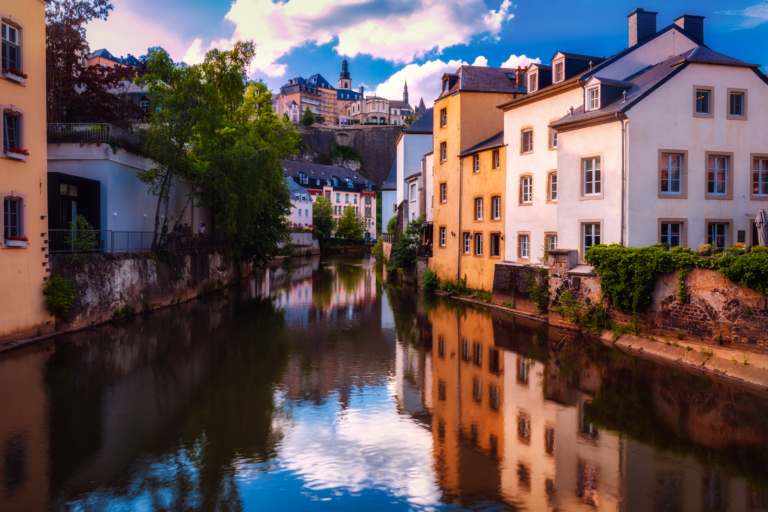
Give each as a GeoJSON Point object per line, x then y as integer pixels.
{"type": "Point", "coordinates": [375, 143]}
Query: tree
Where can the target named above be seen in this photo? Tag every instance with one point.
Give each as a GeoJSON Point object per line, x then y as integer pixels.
{"type": "Point", "coordinates": [308, 118]}
{"type": "Point", "coordinates": [76, 92]}
{"type": "Point", "coordinates": [320, 119]}
{"type": "Point", "coordinates": [285, 119]}
{"type": "Point", "coordinates": [405, 251]}
{"type": "Point", "coordinates": [351, 225]}
{"type": "Point", "coordinates": [322, 216]}
{"type": "Point", "coordinates": [391, 225]}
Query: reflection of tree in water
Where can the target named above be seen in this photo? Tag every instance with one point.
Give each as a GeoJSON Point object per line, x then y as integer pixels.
{"type": "Point", "coordinates": [322, 287]}
{"type": "Point", "coordinates": [350, 276]}
{"type": "Point", "coordinates": [403, 301]}
{"type": "Point", "coordinates": [213, 386]}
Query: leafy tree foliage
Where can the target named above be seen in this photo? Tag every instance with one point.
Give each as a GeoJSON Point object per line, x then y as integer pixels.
{"type": "Point", "coordinates": [322, 216]}
{"type": "Point", "coordinates": [405, 251]}
{"type": "Point", "coordinates": [351, 225]}
{"type": "Point", "coordinates": [391, 225]}
{"type": "Point", "coordinates": [308, 118]}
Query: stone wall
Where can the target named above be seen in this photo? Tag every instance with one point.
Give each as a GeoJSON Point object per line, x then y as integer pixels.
{"type": "Point", "coordinates": [422, 264]}
{"type": "Point", "coordinates": [375, 143]}
{"type": "Point", "coordinates": [509, 282]}
{"type": "Point", "coordinates": [107, 283]}
{"type": "Point", "coordinates": [716, 310]}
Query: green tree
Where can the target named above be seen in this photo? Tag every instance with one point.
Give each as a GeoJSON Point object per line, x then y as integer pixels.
{"type": "Point", "coordinates": [391, 225]}
{"type": "Point", "coordinates": [351, 225]}
{"type": "Point", "coordinates": [320, 119]}
{"type": "Point", "coordinates": [406, 249]}
{"type": "Point", "coordinates": [285, 119]}
{"type": "Point", "coordinates": [322, 217]}
{"type": "Point", "coordinates": [308, 118]}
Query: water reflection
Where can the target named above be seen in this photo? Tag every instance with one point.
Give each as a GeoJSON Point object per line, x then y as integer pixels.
{"type": "Point", "coordinates": [316, 387]}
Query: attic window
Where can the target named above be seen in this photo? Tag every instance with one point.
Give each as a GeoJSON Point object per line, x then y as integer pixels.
{"type": "Point", "coordinates": [533, 82]}
{"type": "Point", "coordinates": [559, 71]}
{"type": "Point", "coordinates": [593, 98]}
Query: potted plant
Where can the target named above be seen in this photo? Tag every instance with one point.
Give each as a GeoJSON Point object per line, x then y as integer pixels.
{"type": "Point", "coordinates": [16, 241]}
{"type": "Point", "coordinates": [736, 250]}
{"type": "Point", "coordinates": [15, 75]}
{"type": "Point", "coordinates": [17, 153]}
{"type": "Point", "coordinates": [664, 246]}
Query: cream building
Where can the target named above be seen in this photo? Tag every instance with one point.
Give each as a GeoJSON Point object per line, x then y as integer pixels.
{"type": "Point", "coordinates": [659, 143]}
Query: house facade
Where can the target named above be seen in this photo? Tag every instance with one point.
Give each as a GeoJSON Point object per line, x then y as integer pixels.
{"type": "Point", "coordinates": [301, 201]}
{"type": "Point", "coordinates": [465, 115]}
{"type": "Point", "coordinates": [377, 110]}
{"type": "Point", "coordinates": [23, 248]}
{"type": "Point", "coordinates": [344, 187]}
{"type": "Point", "coordinates": [389, 197]}
{"type": "Point", "coordinates": [412, 144]}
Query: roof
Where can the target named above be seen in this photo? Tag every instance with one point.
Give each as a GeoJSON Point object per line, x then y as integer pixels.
{"type": "Point", "coordinates": [314, 171]}
{"type": "Point", "coordinates": [491, 143]}
{"type": "Point", "coordinates": [484, 79]}
{"type": "Point", "coordinates": [705, 55]}
{"type": "Point", "coordinates": [295, 188]}
{"type": "Point", "coordinates": [399, 104]}
{"type": "Point", "coordinates": [611, 81]}
{"type": "Point", "coordinates": [130, 60]}
{"type": "Point", "coordinates": [422, 125]}
{"type": "Point", "coordinates": [391, 183]}
{"type": "Point", "coordinates": [579, 56]}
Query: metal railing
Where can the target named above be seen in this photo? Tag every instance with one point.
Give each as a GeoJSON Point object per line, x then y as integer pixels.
{"type": "Point", "coordinates": [109, 241]}
{"type": "Point", "coordinates": [388, 238]}
{"type": "Point", "coordinates": [87, 132]}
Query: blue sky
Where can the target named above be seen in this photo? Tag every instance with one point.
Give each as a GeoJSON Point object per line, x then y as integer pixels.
{"type": "Point", "coordinates": [389, 41]}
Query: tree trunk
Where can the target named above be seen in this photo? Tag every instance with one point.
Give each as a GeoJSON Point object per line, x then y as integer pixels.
{"type": "Point", "coordinates": [159, 205]}
{"type": "Point", "coordinates": [184, 210]}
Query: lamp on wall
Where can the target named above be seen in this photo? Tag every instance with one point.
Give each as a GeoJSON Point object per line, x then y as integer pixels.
{"type": "Point", "coordinates": [453, 234]}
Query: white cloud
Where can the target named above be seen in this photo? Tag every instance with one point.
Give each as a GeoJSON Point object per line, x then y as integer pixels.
{"type": "Point", "coordinates": [423, 81]}
{"type": "Point", "coordinates": [395, 30]}
{"type": "Point", "coordinates": [755, 15]}
{"type": "Point", "coordinates": [480, 61]}
{"type": "Point", "coordinates": [513, 61]}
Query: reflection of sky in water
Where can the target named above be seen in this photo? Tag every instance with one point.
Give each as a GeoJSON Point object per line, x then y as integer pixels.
{"type": "Point", "coordinates": [367, 450]}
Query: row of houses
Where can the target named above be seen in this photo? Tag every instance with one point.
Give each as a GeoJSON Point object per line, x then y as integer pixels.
{"type": "Point", "coordinates": [660, 142]}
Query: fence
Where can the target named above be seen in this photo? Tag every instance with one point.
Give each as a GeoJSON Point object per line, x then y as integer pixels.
{"type": "Point", "coordinates": [86, 132]}
{"type": "Point", "coordinates": [108, 241]}
{"type": "Point", "coordinates": [388, 238]}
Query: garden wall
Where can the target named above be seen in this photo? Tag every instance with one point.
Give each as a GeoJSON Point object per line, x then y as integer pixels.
{"type": "Point", "coordinates": [510, 284]}
{"type": "Point", "coordinates": [715, 307]}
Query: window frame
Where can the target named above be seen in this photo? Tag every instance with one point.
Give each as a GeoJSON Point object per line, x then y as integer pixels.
{"type": "Point", "coordinates": [752, 158]}
{"type": "Point", "coordinates": [526, 179]}
{"type": "Point", "coordinates": [523, 131]}
{"type": "Point", "coordinates": [495, 236]}
{"type": "Point", "coordinates": [479, 209]}
{"type": "Point", "coordinates": [467, 242]}
{"type": "Point", "coordinates": [728, 233]}
{"type": "Point", "coordinates": [744, 104]}
{"type": "Point", "coordinates": [443, 192]}
{"type": "Point", "coordinates": [550, 184]}
{"type": "Point", "coordinates": [547, 236]}
{"type": "Point", "coordinates": [443, 151]}
{"type": "Point", "coordinates": [581, 224]}
{"type": "Point", "coordinates": [711, 91]}
{"type": "Point", "coordinates": [533, 82]}
{"type": "Point", "coordinates": [475, 164]}
{"type": "Point", "coordinates": [12, 110]}
{"type": "Point", "coordinates": [590, 100]}
{"type": "Point", "coordinates": [583, 196]}
{"type": "Point", "coordinates": [443, 117]}
{"type": "Point", "coordinates": [523, 246]}
{"type": "Point", "coordinates": [12, 22]}
{"type": "Point", "coordinates": [683, 229]}
{"type": "Point", "coordinates": [22, 216]}
{"type": "Point", "coordinates": [443, 236]}
{"type": "Point", "coordinates": [561, 64]}
{"type": "Point", "coordinates": [495, 159]}
{"type": "Point", "coordinates": [683, 194]}
{"type": "Point", "coordinates": [729, 171]}
{"type": "Point", "coordinates": [552, 142]}
{"type": "Point", "coordinates": [478, 244]}
{"type": "Point", "coordinates": [496, 208]}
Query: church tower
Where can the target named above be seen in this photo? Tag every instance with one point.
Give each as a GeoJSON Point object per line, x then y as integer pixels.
{"type": "Point", "coordinates": [405, 93]}
{"type": "Point", "coordinates": [345, 82]}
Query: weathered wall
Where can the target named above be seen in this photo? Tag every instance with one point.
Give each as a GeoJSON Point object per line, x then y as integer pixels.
{"type": "Point", "coordinates": [509, 281]}
{"type": "Point", "coordinates": [375, 143]}
{"type": "Point", "coordinates": [107, 283]}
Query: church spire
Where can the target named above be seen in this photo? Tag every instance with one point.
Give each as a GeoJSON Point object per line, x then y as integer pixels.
{"type": "Point", "coordinates": [405, 92]}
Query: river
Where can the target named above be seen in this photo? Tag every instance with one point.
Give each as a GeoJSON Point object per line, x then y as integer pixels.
{"type": "Point", "coordinates": [319, 387]}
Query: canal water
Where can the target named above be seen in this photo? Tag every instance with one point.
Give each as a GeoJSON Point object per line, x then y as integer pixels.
{"type": "Point", "coordinates": [319, 387]}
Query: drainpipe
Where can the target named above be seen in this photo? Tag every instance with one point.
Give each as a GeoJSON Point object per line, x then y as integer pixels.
{"type": "Point", "coordinates": [461, 183]}
{"type": "Point", "coordinates": [623, 174]}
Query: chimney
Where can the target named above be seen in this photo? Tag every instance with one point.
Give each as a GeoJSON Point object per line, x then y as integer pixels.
{"type": "Point", "coordinates": [362, 89]}
{"type": "Point", "coordinates": [642, 25]}
{"type": "Point", "coordinates": [520, 77]}
{"type": "Point", "coordinates": [694, 25]}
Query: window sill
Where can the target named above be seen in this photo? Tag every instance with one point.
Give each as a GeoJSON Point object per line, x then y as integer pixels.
{"type": "Point", "coordinates": [16, 156]}
{"type": "Point", "coordinates": [717, 197]}
{"type": "Point", "coordinates": [14, 78]}
{"type": "Point", "coordinates": [15, 244]}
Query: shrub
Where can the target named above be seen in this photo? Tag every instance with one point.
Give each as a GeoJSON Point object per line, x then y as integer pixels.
{"type": "Point", "coordinates": [483, 296]}
{"type": "Point", "coordinates": [539, 294]}
{"type": "Point", "coordinates": [586, 318]}
{"type": "Point", "coordinates": [126, 310]}
{"type": "Point", "coordinates": [509, 304]}
{"type": "Point", "coordinates": [429, 280]}
{"type": "Point", "coordinates": [391, 224]}
{"type": "Point", "coordinates": [704, 250]}
{"type": "Point", "coordinates": [59, 295]}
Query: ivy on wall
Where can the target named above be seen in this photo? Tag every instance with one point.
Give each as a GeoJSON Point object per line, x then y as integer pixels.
{"type": "Point", "coordinates": [628, 275]}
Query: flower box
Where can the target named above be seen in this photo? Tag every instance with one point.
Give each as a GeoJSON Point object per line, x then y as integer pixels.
{"type": "Point", "coordinates": [16, 156]}
{"type": "Point", "coordinates": [15, 78]}
{"type": "Point", "coordinates": [15, 243]}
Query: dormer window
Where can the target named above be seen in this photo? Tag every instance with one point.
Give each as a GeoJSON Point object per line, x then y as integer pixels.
{"type": "Point", "coordinates": [303, 178]}
{"type": "Point", "coordinates": [593, 98]}
{"type": "Point", "coordinates": [335, 181]}
{"type": "Point", "coordinates": [559, 71]}
{"type": "Point", "coordinates": [533, 82]}
{"type": "Point", "coordinates": [350, 184]}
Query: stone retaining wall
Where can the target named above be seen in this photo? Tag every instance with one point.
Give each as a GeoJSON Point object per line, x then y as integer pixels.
{"type": "Point", "coordinates": [509, 282]}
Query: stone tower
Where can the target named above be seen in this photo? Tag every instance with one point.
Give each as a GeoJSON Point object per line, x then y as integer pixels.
{"type": "Point", "coordinates": [345, 82]}
{"type": "Point", "coordinates": [405, 93]}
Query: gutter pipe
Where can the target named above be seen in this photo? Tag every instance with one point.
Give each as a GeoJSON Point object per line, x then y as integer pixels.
{"type": "Point", "coordinates": [623, 175]}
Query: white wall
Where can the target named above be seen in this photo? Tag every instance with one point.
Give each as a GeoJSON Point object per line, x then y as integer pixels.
{"type": "Point", "coordinates": [412, 197]}
{"type": "Point", "coordinates": [541, 216]}
{"type": "Point", "coordinates": [429, 181]}
{"type": "Point", "coordinates": [411, 148]}
{"type": "Point", "coordinates": [121, 190]}
{"type": "Point", "coordinates": [305, 217]}
{"type": "Point", "coordinates": [388, 198]}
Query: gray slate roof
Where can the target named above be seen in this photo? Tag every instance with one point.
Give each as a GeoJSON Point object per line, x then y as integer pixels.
{"type": "Point", "coordinates": [423, 125]}
{"type": "Point", "coordinates": [391, 183]}
{"type": "Point", "coordinates": [294, 188]}
{"type": "Point", "coordinates": [490, 143]}
{"type": "Point", "coordinates": [324, 172]}
{"type": "Point", "coordinates": [484, 79]}
{"type": "Point", "coordinates": [399, 104]}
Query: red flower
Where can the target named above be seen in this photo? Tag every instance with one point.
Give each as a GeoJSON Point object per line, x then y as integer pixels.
{"type": "Point", "coordinates": [14, 71]}
{"type": "Point", "coordinates": [17, 238]}
{"type": "Point", "coordinates": [19, 151]}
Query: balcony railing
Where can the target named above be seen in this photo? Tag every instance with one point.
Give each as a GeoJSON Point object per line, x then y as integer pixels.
{"type": "Point", "coordinates": [108, 241]}
{"type": "Point", "coordinates": [388, 238]}
{"type": "Point", "coordinates": [86, 132]}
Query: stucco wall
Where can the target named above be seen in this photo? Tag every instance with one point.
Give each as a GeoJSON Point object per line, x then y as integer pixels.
{"type": "Point", "coordinates": [411, 148]}
{"type": "Point", "coordinates": [388, 200]}
{"type": "Point", "coordinates": [429, 188]}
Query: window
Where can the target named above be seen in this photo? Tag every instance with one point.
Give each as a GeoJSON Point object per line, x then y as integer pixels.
{"type": "Point", "coordinates": [355, 199]}
{"type": "Point", "coordinates": [590, 235]}
{"type": "Point", "coordinates": [760, 176]}
{"type": "Point", "coordinates": [11, 132]}
{"type": "Point", "coordinates": [303, 178]}
{"type": "Point", "coordinates": [551, 241]}
{"type": "Point", "coordinates": [306, 212]}
{"type": "Point", "coordinates": [559, 75]}
{"type": "Point", "coordinates": [671, 173]}
{"type": "Point", "coordinates": [736, 104]}
{"type": "Point", "coordinates": [479, 208]}
{"type": "Point", "coordinates": [394, 208]}
{"type": "Point", "coordinates": [12, 217]}
{"type": "Point", "coordinates": [717, 235]}
{"type": "Point", "coordinates": [496, 208]}
{"type": "Point", "coordinates": [476, 163]}
{"type": "Point", "coordinates": [496, 159]}
{"type": "Point", "coordinates": [478, 356]}
{"type": "Point", "coordinates": [495, 245]}
{"type": "Point", "coordinates": [717, 175]}
{"type": "Point", "coordinates": [350, 184]}
{"type": "Point", "coordinates": [524, 246]}
{"type": "Point", "coordinates": [346, 198]}
{"type": "Point", "coordinates": [671, 233]}
{"type": "Point", "coordinates": [526, 142]}
{"type": "Point", "coordinates": [533, 82]}
{"type": "Point", "coordinates": [592, 181]}
{"type": "Point", "coordinates": [702, 101]}
{"type": "Point", "coordinates": [338, 198]}
{"type": "Point", "coordinates": [11, 51]}
{"type": "Point", "coordinates": [593, 97]}
{"type": "Point", "coordinates": [299, 212]}
{"type": "Point", "coordinates": [443, 192]}
{"type": "Point", "coordinates": [443, 152]}
{"type": "Point", "coordinates": [526, 187]}
{"type": "Point", "coordinates": [442, 237]}
{"type": "Point", "coordinates": [478, 244]}
{"type": "Point", "coordinates": [552, 139]}
{"type": "Point", "coordinates": [444, 117]}
{"type": "Point", "coordinates": [477, 389]}
{"type": "Point", "coordinates": [467, 246]}
{"type": "Point", "coordinates": [441, 347]}
{"type": "Point", "coordinates": [335, 181]}
{"type": "Point", "coordinates": [552, 192]}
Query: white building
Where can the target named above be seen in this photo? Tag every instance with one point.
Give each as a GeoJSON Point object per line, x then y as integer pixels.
{"type": "Point", "coordinates": [660, 143]}
{"type": "Point", "coordinates": [389, 197]}
{"type": "Point", "coordinates": [301, 201]}
{"type": "Point", "coordinates": [413, 187]}
{"type": "Point", "coordinates": [412, 144]}
{"type": "Point", "coordinates": [428, 172]}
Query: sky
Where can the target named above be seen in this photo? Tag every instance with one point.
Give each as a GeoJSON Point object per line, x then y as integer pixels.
{"type": "Point", "coordinates": [388, 42]}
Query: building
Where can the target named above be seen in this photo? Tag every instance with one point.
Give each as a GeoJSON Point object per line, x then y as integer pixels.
{"type": "Point", "coordinates": [389, 197]}
{"type": "Point", "coordinates": [23, 250]}
{"type": "Point", "coordinates": [413, 189]}
{"type": "Point", "coordinates": [465, 115]}
{"type": "Point", "coordinates": [428, 173]}
{"type": "Point", "coordinates": [344, 187]}
{"type": "Point", "coordinates": [102, 57]}
{"type": "Point", "coordinates": [376, 110]}
{"type": "Point", "coordinates": [301, 211]}
{"type": "Point", "coordinates": [658, 143]}
{"type": "Point", "coordinates": [412, 144]}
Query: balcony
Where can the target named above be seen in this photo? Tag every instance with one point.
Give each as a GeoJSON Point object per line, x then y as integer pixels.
{"type": "Point", "coordinates": [96, 133]}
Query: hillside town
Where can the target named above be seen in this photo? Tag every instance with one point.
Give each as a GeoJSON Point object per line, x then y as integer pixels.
{"type": "Point", "coordinates": [229, 284]}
